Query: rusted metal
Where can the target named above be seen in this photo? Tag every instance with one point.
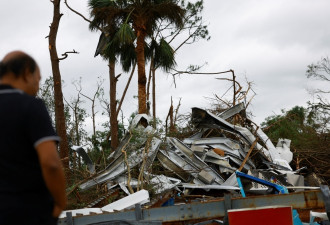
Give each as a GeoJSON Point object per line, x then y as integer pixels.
{"type": "Point", "coordinates": [212, 209]}
{"type": "Point", "coordinates": [298, 200]}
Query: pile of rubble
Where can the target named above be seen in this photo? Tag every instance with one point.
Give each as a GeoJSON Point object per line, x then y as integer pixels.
{"type": "Point", "coordinates": [201, 161]}
{"type": "Point", "coordinates": [210, 161]}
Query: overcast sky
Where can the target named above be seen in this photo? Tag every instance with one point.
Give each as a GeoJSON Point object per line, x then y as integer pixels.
{"type": "Point", "coordinates": [269, 43]}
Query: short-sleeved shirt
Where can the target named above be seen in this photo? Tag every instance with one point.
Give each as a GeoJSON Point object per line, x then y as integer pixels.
{"type": "Point", "coordinates": [24, 124]}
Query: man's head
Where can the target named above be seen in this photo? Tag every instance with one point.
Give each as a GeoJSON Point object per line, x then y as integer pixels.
{"type": "Point", "coordinates": [20, 71]}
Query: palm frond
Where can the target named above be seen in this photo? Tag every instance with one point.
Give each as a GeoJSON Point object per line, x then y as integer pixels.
{"type": "Point", "coordinates": [127, 57]}
{"type": "Point", "coordinates": [125, 34]}
{"type": "Point", "coordinates": [100, 3]}
{"type": "Point", "coordinates": [150, 49]}
{"type": "Point", "coordinates": [164, 56]}
{"type": "Point", "coordinates": [101, 44]}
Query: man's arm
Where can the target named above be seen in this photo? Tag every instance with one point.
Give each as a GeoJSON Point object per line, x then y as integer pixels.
{"type": "Point", "coordinates": [53, 174]}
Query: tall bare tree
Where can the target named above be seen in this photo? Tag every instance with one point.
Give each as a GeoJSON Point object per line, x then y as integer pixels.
{"type": "Point", "coordinates": [97, 93]}
{"type": "Point", "coordinates": [58, 95]}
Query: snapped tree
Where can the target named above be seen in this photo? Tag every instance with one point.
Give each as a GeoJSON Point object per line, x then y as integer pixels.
{"type": "Point", "coordinates": [58, 95]}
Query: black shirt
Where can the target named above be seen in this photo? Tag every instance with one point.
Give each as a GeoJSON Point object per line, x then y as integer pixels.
{"type": "Point", "coordinates": [24, 123]}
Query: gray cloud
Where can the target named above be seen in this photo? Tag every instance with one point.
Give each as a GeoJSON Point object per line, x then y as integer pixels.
{"type": "Point", "coordinates": [269, 42]}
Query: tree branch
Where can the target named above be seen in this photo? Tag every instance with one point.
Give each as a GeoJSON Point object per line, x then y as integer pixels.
{"type": "Point", "coordinates": [127, 85]}
{"type": "Point", "coordinates": [82, 16]}
{"type": "Point", "coordinates": [117, 76]}
{"type": "Point", "coordinates": [65, 54]}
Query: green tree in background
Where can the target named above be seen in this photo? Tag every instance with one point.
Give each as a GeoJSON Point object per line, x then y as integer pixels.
{"type": "Point", "coordinates": [311, 147]}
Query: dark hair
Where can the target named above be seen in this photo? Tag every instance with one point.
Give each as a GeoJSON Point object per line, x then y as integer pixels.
{"type": "Point", "coordinates": [18, 65]}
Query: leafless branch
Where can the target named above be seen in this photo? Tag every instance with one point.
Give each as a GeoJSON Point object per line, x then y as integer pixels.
{"type": "Point", "coordinates": [185, 41]}
{"type": "Point", "coordinates": [244, 94]}
{"type": "Point", "coordinates": [236, 82]}
{"type": "Point", "coordinates": [250, 101]}
{"type": "Point", "coordinates": [226, 103]}
{"type": "Point", "coordinates": [124, 93]}
{"type": "Point", "coordinates": [189, 72]}
{"type": "Point", "coordinates": [82, 16]}
{"type": "Point", "coordinates": [65, 54]}
{"type": "Point", "coordinates": [118, 76]}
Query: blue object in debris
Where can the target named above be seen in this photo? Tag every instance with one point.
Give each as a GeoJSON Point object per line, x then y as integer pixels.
{"type": "Point", "coordinates": [168, 202]}
{"type": "Point", "coordinates": [240, 186]}
{"type": "Point", "coordinates": [296, 219]}
{"type": "Point", "coordinates": [278, 188]}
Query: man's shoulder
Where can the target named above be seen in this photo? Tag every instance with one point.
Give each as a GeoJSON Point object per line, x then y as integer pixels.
{"type": "Point", "coordinates": [23, 102]}
{"type": "Point", "coordinates": [10, 92]}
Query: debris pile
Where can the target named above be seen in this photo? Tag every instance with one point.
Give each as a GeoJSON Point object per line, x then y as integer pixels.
{"type": "Point", "coordinates": [202, 161]}
{"type": "Point", "coordinates": [233, 157]}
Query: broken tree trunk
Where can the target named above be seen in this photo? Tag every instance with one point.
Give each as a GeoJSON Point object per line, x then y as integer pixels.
{"type": "Point", "coordinates": [58, 95]}
{"type": "Point", "coordinates": [170, 116]}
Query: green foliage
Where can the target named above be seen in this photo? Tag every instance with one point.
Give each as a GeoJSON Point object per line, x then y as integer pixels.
{"type": "Point", "coordinates": [310, 144]}
{"type": "Point", "coordinates": [127, 57]}
{"type": "Point", "coordinates": [294, 124]}
{"type": "Point", "coordinates": [164, 55]}
{"type": "Point", "coordinates": [125, 34]}
{"type": "Point", "coordinates": [319, 117]}
{"type": "Point", "coordinates": [75, 126]}
{"type": "Point", "coordinates": [119, 18]}
{"type": "Point", "coordinates": [46, 93]}
{"type": "Point", "coordinates": [142, 15]}
{"type": "Point", "coordinates": [195, 20]}
{"type": "Point", "coordinates": [99, 141]}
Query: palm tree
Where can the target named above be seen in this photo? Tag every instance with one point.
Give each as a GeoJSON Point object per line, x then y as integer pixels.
{"type": "Point", "coordinates": [110, 46]}
{"type": "Point", "coordinates": [143, 16]}
{"type": "Point", "coordinates": [161, 55]}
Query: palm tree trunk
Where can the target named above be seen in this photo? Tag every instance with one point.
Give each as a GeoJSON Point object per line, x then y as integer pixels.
{"type": "Point", "coordinates": [142, 80]}
{"type": "Point", "coordinates": [113, 105]}
{"type": "Point", "coordinates": [154, 96]}
{"type": "Point", "coordinates": [58, 95]}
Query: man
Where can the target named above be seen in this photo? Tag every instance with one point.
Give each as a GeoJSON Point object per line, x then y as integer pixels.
{"type": "Point", "coordinates": [32, 183]}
